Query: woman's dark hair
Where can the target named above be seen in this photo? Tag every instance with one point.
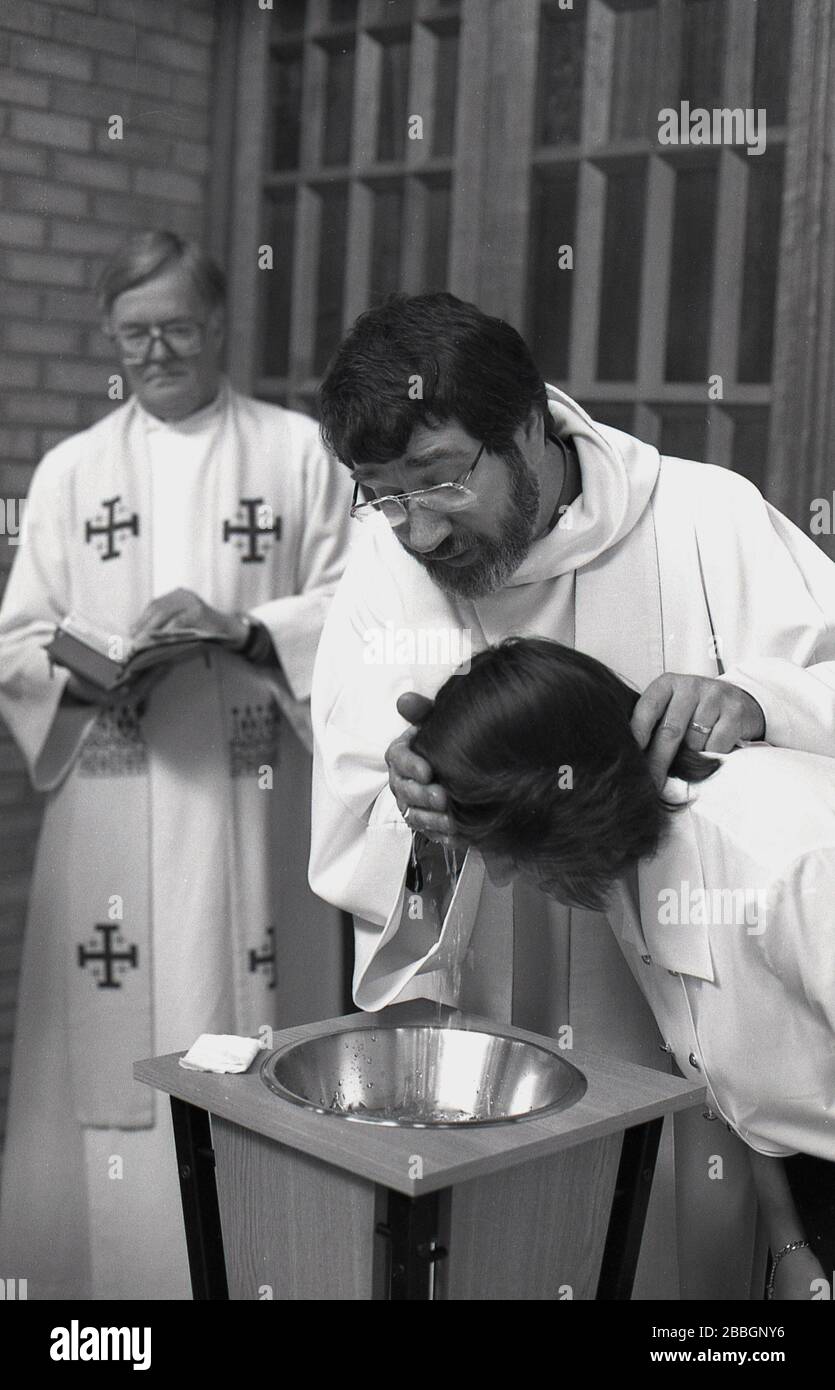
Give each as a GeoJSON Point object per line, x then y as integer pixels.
{"type": "Point", "coordinates": [534, 749]}
{"type": "Point", "coordinates": [423, 360]}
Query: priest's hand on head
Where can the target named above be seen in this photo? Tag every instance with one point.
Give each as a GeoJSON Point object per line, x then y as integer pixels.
{"type": "Point", "coordinates": [709, 716]}
{"type": "Point", "coordinates": [183, 609]}
{"type": "Point", "coordinates": [420, 799]}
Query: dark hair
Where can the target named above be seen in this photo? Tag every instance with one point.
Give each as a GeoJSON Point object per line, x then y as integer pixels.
{"type": "Point", "coordinates": [471, 368]}
{"type": "Point", "coordinates": [534, 749]}
{"type": "Point", "coordinates": [146, 254]}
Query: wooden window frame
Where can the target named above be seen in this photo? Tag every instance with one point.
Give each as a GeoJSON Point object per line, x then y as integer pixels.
{"type": "Point", "coordinates": [491, 175]}
{"type": "Point", "coordinates": [248, 183]}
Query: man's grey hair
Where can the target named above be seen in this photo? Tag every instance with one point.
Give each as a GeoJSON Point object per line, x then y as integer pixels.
{"type": "Point", "coordinates": [148, 254]}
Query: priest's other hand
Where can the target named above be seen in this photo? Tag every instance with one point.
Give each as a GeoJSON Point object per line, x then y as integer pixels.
{"type": "Point", "coordinates": [181, 608]}
{"type": "Point", "coordinates": [707, 715]}
{"type": "Point", "coordinates": [420, 799]}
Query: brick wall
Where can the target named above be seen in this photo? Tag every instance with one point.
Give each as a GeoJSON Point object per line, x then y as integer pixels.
{"type": "Point", "coordinates": [68, 193]}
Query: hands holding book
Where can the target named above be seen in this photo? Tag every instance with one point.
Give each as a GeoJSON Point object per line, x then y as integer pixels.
{"type": "Point", "coordinates": [85, 692]}
{"type": "Point", "coordinates": [106, 668]}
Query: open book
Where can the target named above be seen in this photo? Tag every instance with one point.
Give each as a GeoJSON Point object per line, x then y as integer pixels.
{"type": "Point", "coordinates": [109, 660]}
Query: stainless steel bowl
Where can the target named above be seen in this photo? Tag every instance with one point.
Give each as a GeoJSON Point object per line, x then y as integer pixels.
{"type": "Point", "coordinates": [423, 1075]}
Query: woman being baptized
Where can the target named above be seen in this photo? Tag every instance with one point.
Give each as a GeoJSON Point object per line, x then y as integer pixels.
{"type": "Point", "coordinates": [720, 888]}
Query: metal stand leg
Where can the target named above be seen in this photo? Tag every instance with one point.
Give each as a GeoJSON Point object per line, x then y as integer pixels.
{"type": "Point", "coordinates": [629, 1210]}
{"type": "Point", "coordinates": [198, 1190]}
{"type": "Point", "coordinates": [412, 1230]}
{"type": "Point", "coordinates": [347, 922]}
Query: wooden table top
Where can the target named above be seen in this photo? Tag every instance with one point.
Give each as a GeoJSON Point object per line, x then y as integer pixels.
{"type": "Point", "coordinates": [619, 1095]}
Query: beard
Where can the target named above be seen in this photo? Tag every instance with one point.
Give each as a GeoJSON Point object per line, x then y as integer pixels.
{"type": "Point", "coordinates": [493, 561]}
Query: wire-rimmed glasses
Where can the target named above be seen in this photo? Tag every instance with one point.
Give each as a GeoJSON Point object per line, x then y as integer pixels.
{"type": "Point", "coordinates": [443, 497]}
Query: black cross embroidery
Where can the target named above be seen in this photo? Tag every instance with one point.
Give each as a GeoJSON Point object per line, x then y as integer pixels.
{"type": "Point", "coordinates": [86, 956]}
{"type": "Point", "coordinates": [268, 959]}
{"type": "Point", "coordinates": [252, 531]}
{"type": "Point", "coordinates": [111, 527]}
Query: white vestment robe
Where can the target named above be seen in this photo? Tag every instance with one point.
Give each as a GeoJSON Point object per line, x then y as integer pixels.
{"type": "Point", "coordinates": [730, 938]}
{"type": "Point", "coordinates": [169, 895]}
{"type": "Point", "coordinates": [659, 565]}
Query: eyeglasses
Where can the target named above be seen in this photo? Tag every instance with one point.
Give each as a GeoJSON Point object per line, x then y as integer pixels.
{"type": "Point", "coordinates": [443, 497]}
{"type": "Point", "coordinates": [183, 337]}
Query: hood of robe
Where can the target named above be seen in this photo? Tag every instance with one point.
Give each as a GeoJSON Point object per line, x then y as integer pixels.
{"type": "Point", "coordinates": [619, 474]}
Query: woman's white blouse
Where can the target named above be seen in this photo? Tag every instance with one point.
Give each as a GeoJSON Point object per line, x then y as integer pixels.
{"type": "Point", "coordinates": [733, 943]}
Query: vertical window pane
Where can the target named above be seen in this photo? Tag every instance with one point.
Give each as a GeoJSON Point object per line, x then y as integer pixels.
{"type": "Point", "coordinates": [290, 16]}
{"type": "Point", "coordinates": [391, 11]}
{"type": "Point", "coordinates": [634, 108]}
{"type": "Point", "coordinates": [331, 274]}
{"type": "Point", "coordinates": [703, 52]}
{"type": "Point", "coordinates": [553, 214]}
{"type": "Point", "coordinates": [339, 101]}
{"type": "Point", "coordinates": [560, 82]}
{"type": "Point", "coordinates": [750, 446]}
{"type": "Point", "coordinates": [436, 259]}
{"type": "Point", "coordinates": [772, 58]}
{"type": "Point", "coordinates": [394, 98]}
{"type": "Point", "coordinates": [446, 92]}
{"type": "Point", "coordinates": [683, 431]}
{"type": "Point", "coordinates": [759, 279]}
{"type": "Point", "coordinates": [691, 274]}
{"type": "Point", "coordinates": [385, 244]}
{"type": "Point", "coordinates": [280, 224]}
{"type": "Point", "coordinates": [286, 84]}
{"type": "Point", "coordinates": [620, 288]}
{"type": "Point", "coordinates": [343, 11]}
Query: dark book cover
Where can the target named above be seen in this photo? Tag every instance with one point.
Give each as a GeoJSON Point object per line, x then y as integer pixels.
{"type": "Point", "coordinates": [83, 651]}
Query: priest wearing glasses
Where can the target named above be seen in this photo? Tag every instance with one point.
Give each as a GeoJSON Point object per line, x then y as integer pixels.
{"type": "Point", "coordinates": [169, 896]}
{"type": "Point", "coordinates": [497, 507]}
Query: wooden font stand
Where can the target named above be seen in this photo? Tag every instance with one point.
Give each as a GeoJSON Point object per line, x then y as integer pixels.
{"type": "Point", "coordinates": [285, 1203]}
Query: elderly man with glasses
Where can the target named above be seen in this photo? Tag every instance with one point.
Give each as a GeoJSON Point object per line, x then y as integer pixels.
{"type": "Point", "coordinates": [169, 896]}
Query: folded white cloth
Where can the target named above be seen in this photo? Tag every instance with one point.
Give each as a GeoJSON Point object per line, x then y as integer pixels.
{"type": "Point", "coordinates": [220, 1052]}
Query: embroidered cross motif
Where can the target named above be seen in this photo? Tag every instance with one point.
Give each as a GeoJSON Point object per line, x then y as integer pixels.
{"type": "Point", "coordinates": [111, 528]}
{"type": "Point", "coordinates": [108, 957]}
{"type": "Point", "coordinates": [268, 959]}
{"type": "Point", "coordinates": [252, 531]}
{"type": "Point", "coordinates": [254, 741]}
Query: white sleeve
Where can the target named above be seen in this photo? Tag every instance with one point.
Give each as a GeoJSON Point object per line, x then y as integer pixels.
{"type": "Point", "coordinates": [796, 691]}
{"type": "Point", "coordinates": [35, 601]}
{"type": "Point", "coordinates": [295, 621]}
{"type": "Point", "coordinates": [417, 956]}
{"type": "Point", "coordinates": [360, 844]}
